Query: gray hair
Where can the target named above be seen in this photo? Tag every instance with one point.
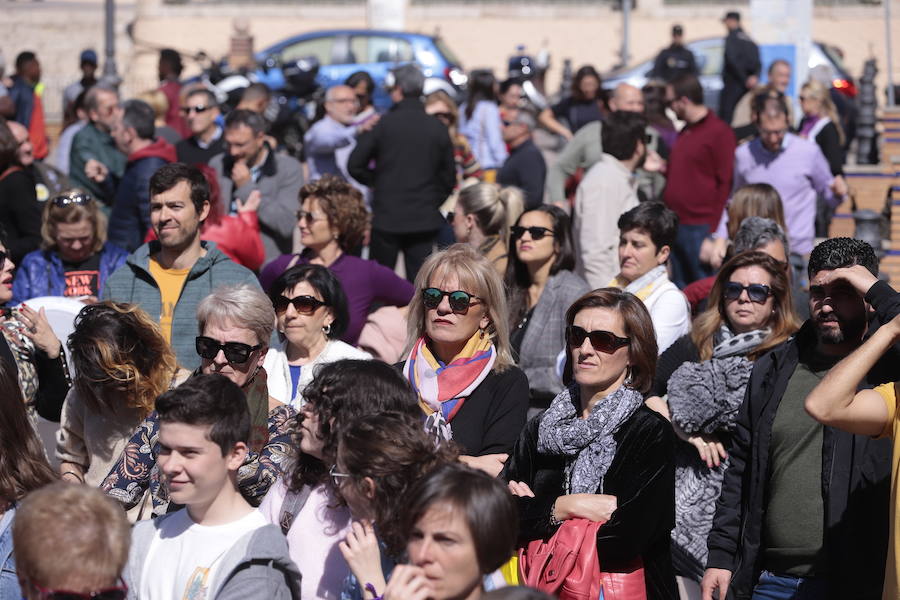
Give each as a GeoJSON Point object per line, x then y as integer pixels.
{"type": "Point", "coordinates": [138, 115]}
{"type": "Point", "coordinates": [92, 97]}
{"type": "Point", "coordinates": [409, 79]}
{"type": "Point", "coordinates": [756, 232]}
{"type": "Point", "coordinates": [329, 93]}
{"type": "Point", "coordinates": [524, 117]}
{"type": "Point", "coordinates": [242, 305]}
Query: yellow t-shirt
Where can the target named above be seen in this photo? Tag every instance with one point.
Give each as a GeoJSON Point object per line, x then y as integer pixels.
{"type": "Point", "coordinates": [891, 429]}
{"type": "Point", "coordinates": [170, 282]}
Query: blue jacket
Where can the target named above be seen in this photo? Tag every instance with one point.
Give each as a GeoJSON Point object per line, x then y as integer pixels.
{"type": "Point", "coordinates": [9, 582]}
{"type": "Point", "coordinates": [42, 272]}
{"type": "Point", "coordinates": [22, 95]}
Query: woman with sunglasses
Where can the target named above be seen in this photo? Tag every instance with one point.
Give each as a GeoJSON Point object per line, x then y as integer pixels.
{"type": "Point", "coordinates": [482, 217]}
{"type": "Point", "coordinates": [599, 453]}
{"type": "Point", "coordinates": [235, 325]}
{"type": "Point", "coordinates": [442, 106]}
{"type": "Point", "coordinates": [305, 501]}
{"type": "Point", "coordinates": [379, 458]}
{"type": "Point", "coordinates": [459, 362]}
{"type": "Point", "coordinates": [541, 286]}
{"type": "Point", "coordinates": [75, 259]}
{"type": "Point", "coordinates": [23, 469]}
{"type": "Point", "coordinates": [703, 377]}
{"type": "Point", "coordinates": [311, 310]}
{"type": "Point", "coordinates": [333, 223]}
{"type": "Point", "coordinates": [647, 235]}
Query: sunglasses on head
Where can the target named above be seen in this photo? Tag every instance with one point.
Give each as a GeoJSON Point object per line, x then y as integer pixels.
{"type": "Point", "coordinates": [119, 592]}
{"type": "Point", "coordinates": [602, 341]}
{"type": "Point", "coordinates": [336, 476]}
{"type": "Point", "coordinates": [459, 300]}
{"type": "Point", "coordinates": [236, 353]}
{"type": "Point", "coordinates": [304, 305]}
{"type": "Point", "coordinates": [536, 233]}
{"type": "Point", "coordinates": [757, 292]}
{"type": "Point", "coordinates": [67, 199]}
{"type": "Point", "coordinates": [200, 108]}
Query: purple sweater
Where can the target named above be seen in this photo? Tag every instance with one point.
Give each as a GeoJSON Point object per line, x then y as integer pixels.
{"type": "Point", "coordinates": [364, 282]}
{"type": "Point", "coordinates": [799, 172]}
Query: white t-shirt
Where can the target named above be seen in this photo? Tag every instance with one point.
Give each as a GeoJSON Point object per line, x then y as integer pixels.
{"type": "Point", "coordinates": [183, 555]}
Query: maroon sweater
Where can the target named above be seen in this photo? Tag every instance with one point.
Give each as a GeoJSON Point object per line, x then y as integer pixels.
{"type": "Point", "coordinates": [701, 167]}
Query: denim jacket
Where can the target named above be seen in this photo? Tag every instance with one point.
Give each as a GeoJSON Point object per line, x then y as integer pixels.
{"type": "Point", "coordinates": [9, 583]}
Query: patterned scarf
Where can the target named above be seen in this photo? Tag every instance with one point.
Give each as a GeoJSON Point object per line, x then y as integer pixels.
{"type": "Point", "coordinates": [728, 343]}
{"type": "Point", "coordinates": [257, 393]}
{"type": "Point", "coordinates": [589, 443]}
{"type": "Point", "coordinates": [443, 388]}
{"type": "Point", "coordinates": [644, 285]}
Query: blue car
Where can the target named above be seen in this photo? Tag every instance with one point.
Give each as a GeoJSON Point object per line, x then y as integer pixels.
{"type": "Point", "coordinates": [341, 52]}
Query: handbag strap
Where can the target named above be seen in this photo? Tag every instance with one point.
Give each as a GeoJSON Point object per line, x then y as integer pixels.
{"type": "Point", "coordinates": [293, 504]}
{"type": "Point", "coordinates": [9, 171]}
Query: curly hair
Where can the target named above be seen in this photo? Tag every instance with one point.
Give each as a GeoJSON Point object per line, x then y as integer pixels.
{"type": "Point", "coordinates": [340, 392]}
{"type": "Point", "coordinates": [344, 206]}
{"type": "Point", "coordinates": [840, 252]}
{"type": "Point", "coordinates": [117, 347]}
{"type": "Point", "coordinates": [393, 450]}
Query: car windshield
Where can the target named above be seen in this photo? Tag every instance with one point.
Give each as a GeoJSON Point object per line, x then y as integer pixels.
{"type": "Point", "coordinates": [835, 57]}
{"type": "Point", "coordinates": [445, 50]}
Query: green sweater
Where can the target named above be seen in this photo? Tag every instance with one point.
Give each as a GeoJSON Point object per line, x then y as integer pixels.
{"type": "Point", "coordinates": [132, 282]}
{"type": "Point", "coordinates": [89, 143]}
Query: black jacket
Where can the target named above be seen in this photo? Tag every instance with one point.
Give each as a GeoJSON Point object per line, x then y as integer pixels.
{"type": "Point", "coordinates": [741, 59]}
{"type": "Point", "coordinates": [190, 152]}
{"type": "Point", "coordinates": [641, 476]}
{"type": "Point", "coordinates": [20, 214]}
{"type": "Point", "coordinates": [674, 61]}
{"type": "Point", "coordinates": [525, 168]}
{"type": "Point", "coordinates": [491, 419]}
{"type": "Point", "coordinates": [414, 170]}
{"type": "Point", "coordinates": [856, 476]}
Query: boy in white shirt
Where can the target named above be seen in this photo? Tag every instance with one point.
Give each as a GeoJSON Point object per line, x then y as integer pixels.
{"type": "Point", "coordinates": [218, 547]}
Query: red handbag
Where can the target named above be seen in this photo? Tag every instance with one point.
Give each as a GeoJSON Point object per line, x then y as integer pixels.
{"type": "Point", "coordinates": [567, 566]}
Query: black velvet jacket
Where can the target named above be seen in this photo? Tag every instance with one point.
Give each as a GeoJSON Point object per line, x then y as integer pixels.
{"type": "Point", "coordinates": [641, 477]}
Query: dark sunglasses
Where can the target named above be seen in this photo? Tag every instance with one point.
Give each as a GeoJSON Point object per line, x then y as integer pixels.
{"type": "Point", "coordinates": [757, 292]}
{"type": "Point", "coordinates": [304, 305]}
{"type": "Point", "coordinates": [536, 233]}
{"type": "Point", "coordinates": [444, 116]}
{"type": "Point", "coordinates": [119, 592]}
{"type": "Point", "coordinates": [236, 353]}
{"type": "Point", "coordinates": [459, 300]}
{"type": "Point", "coordinates": [200, 108]}
{"type": "Point", "coordinates": [602, 341]}
{"type": "Point", "coordinates": [310, 217]}
{"type": "Point", "coordinates": [67, 199]}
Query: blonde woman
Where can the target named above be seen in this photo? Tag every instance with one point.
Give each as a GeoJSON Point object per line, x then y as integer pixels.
{"type": "Point", "coordinates": [441, 105]}
{"type": "Point", "coordinates": [483, 215]}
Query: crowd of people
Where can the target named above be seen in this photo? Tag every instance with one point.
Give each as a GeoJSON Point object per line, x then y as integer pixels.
{"type": "Point", "coordinates": [642, 348]}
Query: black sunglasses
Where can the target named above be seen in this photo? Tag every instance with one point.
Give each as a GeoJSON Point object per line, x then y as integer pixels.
{"type": "Point", "coordinates": [236, 353]}
{"type": "Point", "coordinates": [757, 292]}
{"type": "Point", "coordinates": [67, 199]}
{"type": "Point", "coordinates": [602, 341]}
{"type": "Point", "coordinates": [200, 108]}
{"type": "Point", "coordinates": [444, 116]}
{"type": "Point", "coordinates": [459, 300]}
{"type": "Point", "coordinates": [536, 233]}
{"type": "Point", "coordinates": [119, 592]}
{"type": "Point", "coordinates": [304, 305]}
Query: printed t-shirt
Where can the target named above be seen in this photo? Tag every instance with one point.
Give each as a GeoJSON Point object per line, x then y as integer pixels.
{"type": "Point", "coordinates": [82, 278]}
{"type": "Point", "coordinates": [170, 282]}
{"type": "Point", "coordinates": [183, 556]}
{"type": "Point", "coordinates": [891, 429]}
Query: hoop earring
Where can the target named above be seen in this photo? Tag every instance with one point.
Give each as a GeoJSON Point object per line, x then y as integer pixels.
{"type": "Point", "coordinates": [628, 380]}
{"type": "Point", "coordinates": [326, 329]}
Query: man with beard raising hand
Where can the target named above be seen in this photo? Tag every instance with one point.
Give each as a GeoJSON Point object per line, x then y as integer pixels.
{"type": "Point", "coordinates": [803, 504]}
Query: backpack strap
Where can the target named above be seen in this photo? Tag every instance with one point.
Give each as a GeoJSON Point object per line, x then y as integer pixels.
{"type": "Point", "coordinates": [293, 504]}
{"type": "Point", "coordinates": [9, 171]}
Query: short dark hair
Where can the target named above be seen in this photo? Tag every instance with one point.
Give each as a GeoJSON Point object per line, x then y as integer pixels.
{"type": "Point", "coordinates": [770, 103]}
{"type": "Point", "coordinates": [621, 133]}
{"type": "Point", "coordinates": [776, 62]}
{"type": "Point", "coordinates": [209, 400]}
{"type": "Point", "coordinates": [835, 253]}
{"type": "Point", "coordinates": [172, 58]}
{"type": "Point", "coordinates": [361, 76]}
{"type": "Point", "coordinates": [256, 91]}
{"type": "Point", "coordinates": [170, 175]}
{"type": "Point", "coordinates": [659, 222]}
{"type": "Point", "coordinates": [24, 58]}
{"type": "Point", "coordinates": [508, 83]}
{"type": "Point", "coordinates": [324, 281]}
{"type": "Point", "coordinates": [688, 86]}
{"type": "Point", "coordinates": [138, 115]}
{"type": "Point", "coordinates": [211, 99]}
{"type": "Point", "coordinates": [409, 79]}
{"type": "Point", "coordinates": [582, 73]}
{"type": "Point", "coordinates": [484, 502]}
{"type": "Point", "coordinates": [254, 121]}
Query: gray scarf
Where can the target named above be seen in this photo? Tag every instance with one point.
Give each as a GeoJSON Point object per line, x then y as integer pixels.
{"type": "Point", "coordinates": [588, 443]}
{"type": "Point", "coordinates": [729, 343]}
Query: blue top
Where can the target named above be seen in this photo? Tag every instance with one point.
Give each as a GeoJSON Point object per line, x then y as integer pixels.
{"type": "Point", "coordinates": [485, 134]}
{"type": "Point", "coordinates": [9, 582]}
{"type": "Point", "coordinates": [295, 378]}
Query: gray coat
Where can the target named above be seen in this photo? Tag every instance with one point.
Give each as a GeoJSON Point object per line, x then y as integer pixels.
{"type": "Point", "coordinates": [279, 183]}
{"type": "Point", "coordinates": [257, 567]}
{"type": "Point", "coordinates": [544, 337]}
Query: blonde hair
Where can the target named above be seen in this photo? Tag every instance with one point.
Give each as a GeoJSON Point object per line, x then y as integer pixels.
{"type": "Point", "coordinates": [157, 101]}
{"type": "Point", "coordinates": [442, 96]}
{"type": "Point", "coordinates": [476, 275]}
{"type": "Point", "coordinates": [53, 215]}
{"type": "Point", "coordinates": [819, 92]}
{"type": "Point", "coordinates": [754, 200]}
{"type": "Point", "coordinates": [495, 208]}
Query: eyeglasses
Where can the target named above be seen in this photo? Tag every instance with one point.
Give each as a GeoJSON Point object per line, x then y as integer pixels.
{"type": "Point", "coordinates": [236, 353]}
{"type": "Point", "coordinates": [67, 199]}
{"type": "Point", "coordinates": [304, 305]}
{"type": "Point", "coordinates": [459, 300]}
{"type": "Point", "coordinates": [337, 476]}
{"type": "Point", "coordinates": [757, 292]}
{"type": "Point", "coordinates": [602, 341]}
{"type": "Point", "coordinates": [200, 108]}
{"type": "Point", "coordinates": [536, 233]}
{"type": "Point", "coordinates": [119, 592]}
{"type": "Point", "coordinates": [444, 116]}
{"type": "Point", "coordinates": [310, 216]}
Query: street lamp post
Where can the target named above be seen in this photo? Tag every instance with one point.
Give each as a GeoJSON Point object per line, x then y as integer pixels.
{"type": "Point", "coordinates": [110, 73]}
